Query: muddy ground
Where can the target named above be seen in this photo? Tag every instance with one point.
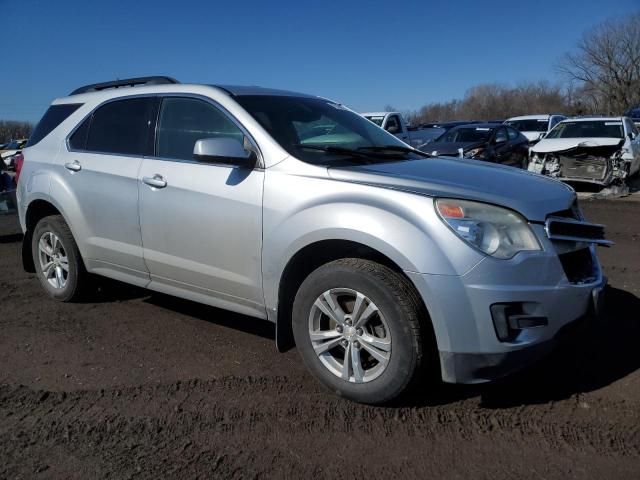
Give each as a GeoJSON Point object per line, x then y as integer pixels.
{"type": "Point", "coordinates": [141, 385]}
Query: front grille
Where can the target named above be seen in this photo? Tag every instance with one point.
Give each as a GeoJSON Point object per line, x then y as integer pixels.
{"type": "Point", "coordinates": [585, 166]}
{"type": "Point", "coordinates": [578, 266]}
{"type": "Point", "coordinates": [563, 228]}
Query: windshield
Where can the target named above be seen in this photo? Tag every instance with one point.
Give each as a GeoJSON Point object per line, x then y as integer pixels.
{"type": "Point", "coordinates": [305, 127]}
{"type": "Point", "coordinates": [377, 119]}
{"type": "Point", "coordinates": [593, 128]}
{"type": "Point", "coordinates": [466, 135]}
{"type": "Point", "coordinates": [529, 125]}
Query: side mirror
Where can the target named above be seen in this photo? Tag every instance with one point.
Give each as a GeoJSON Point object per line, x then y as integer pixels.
{"type": "Point", "coordinates": [499, 140]}
{"type": "Point", "coordinates": [631, 136]}
{"type": "Point", "coordinates": [393, 129]}
{"type": "Point", "coordinates": [227, 151]}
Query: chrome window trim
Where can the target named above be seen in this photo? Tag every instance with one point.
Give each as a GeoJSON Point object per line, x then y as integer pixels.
{"type": "Point", "coordinates": [236, 122]}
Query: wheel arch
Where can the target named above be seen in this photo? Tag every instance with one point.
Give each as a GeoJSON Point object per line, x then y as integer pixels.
{"type": "Point", "coordinates": [314, 255]}
{"type": "Point", "coordinates": [37, 209]}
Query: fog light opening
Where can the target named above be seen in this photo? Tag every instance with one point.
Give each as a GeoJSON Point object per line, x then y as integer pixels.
{"type": "Point", "coordinates": [509, 319]}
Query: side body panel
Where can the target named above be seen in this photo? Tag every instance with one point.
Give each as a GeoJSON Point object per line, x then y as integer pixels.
{"type": "Point", "coordinates": [100, 201]}
{"type": "Point", "coordinates": [202, 233]}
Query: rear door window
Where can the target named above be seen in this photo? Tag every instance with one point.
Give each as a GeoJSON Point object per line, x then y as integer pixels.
{"type": "Point", "coordinates": [501, 135]}
{"type": "Point", "coordinates": [122, 127]}
{"type": "Point", "coordinates": [183, 121]}
{"type": "Point", "coordinates": [54, 116]}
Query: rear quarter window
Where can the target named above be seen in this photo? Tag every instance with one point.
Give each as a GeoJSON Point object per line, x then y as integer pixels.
{"type": "Point", "coordinates": [78, 141]}
{"type": "Point", "coordinates": [54, 116]}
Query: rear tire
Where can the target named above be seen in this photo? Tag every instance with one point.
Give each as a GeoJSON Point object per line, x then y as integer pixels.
{"type": "Point", "coordinates": [367, 345]}
{"type": "Point", "coordinates": [57, 260]}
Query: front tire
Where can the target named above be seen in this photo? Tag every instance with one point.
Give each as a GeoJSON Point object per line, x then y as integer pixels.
{"type": "Point", "coordinates": [57, 260]}
{"type": "Point", "coordinates": [357, 327]}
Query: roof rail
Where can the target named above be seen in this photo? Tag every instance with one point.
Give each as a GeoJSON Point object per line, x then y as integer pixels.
{"type": "Point", "coordinates": [126, 82]}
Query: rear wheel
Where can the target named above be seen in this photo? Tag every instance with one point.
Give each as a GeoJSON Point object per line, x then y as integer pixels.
{"type": "Point", "coordinates": [57, 259]}
{"type": "Point", "coordinates": [357, 326]}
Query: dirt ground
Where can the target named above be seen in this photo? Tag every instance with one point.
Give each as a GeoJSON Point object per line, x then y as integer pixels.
{"type": "Point", "coordinates": [142, 385]}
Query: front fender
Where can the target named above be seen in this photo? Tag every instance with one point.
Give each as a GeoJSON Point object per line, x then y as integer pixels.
{"type": "Point", "coordinates": [300, 211]}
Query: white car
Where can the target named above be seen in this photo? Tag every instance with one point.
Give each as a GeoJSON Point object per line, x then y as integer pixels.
{"type": "Point", "coordinates": [596, 150]}
{"type": "Point", "coordinates": [534, 127]}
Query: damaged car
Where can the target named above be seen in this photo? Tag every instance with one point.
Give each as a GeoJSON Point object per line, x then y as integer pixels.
{"type": "Point", "coordinates": [597, 150]}
{"type": "Point", "coordinates": [490, 142]}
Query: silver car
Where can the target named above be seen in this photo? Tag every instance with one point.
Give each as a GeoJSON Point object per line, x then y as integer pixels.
{"type": "Point", "coordinates": [377, 260]}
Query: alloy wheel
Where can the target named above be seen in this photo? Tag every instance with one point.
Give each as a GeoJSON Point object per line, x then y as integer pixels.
{"type": "Point", "coordinates": [54, 263]}
{"type": "Point", "coordinates": [350, 335]}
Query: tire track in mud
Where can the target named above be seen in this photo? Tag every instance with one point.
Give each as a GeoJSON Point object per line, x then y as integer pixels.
{"type": "Point", "coordinates": [239, 426]}
{"type": "Point", "coordinates": [203, 423]}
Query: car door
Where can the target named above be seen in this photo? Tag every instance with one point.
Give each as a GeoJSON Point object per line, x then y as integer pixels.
{"type": "Point", "coordinates": [101, 170]}
{"type": "Point", "coordinates": [519, 148]}
{"type": "Point", "coordinates": [201, 222]}
{"type": "Point", "coordinates": [501, 146]}
{"type": "Point", "coordinates": [394, 127]}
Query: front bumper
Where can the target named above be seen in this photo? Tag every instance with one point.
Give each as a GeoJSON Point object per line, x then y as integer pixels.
{"type": "Point", "coordinates": [486, 367]}
{"type": "Point", "coordinates": [464, 327]}
{"type": "Point", "coordinates": [594, 170]}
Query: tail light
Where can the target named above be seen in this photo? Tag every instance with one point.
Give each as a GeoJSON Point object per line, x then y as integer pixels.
{"type": "Point", "coordinates": [18, 160]}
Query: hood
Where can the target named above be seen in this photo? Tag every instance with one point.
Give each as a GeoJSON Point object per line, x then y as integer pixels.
{"type": "Point", "coordinates": [450, 148]}
{"type": "Point", "coordinates": [548, 145]}
{"type": "Point", "coordinates": [534, 196]}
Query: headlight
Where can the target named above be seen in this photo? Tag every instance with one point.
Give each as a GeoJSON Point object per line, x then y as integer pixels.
{"type": "Point", "coordinates": [496, 231]}
{"type": "Point", "coordinates": [473, 153]}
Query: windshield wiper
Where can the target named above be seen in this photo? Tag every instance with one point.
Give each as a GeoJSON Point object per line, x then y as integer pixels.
{"type": "Point", "coordinates": [397, 148]}
{"type": "Point", "coordinates": [334, 149]}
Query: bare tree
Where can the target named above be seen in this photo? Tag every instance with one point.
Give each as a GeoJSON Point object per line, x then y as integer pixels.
{"type": "Point", "coordinates": [10, 130]}
{"type": "Point", "coordinates": [495, 102]}
{"type": "Point", "coordinates": [606, 65]}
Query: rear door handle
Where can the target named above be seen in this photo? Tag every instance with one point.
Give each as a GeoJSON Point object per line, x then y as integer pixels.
{"type": "Point", "coordinates": [73, 167]}
{"type": "Point", "coordinates": [156, 181]}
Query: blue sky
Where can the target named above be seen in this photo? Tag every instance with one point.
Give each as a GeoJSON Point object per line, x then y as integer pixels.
{"type": "Point", "coordinates": [366, 54]}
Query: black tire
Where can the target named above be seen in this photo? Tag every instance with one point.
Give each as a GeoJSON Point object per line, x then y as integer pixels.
{"type": "Point", "coordinates": [395, 298]}
{"type": "Point", "coordinates": [76, 275]}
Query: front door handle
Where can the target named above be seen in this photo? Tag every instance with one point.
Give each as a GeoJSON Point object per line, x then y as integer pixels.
{"type": "Point", "coordinates": [73, 167]}
{"type": "Point", "coordinates": [157, 181]}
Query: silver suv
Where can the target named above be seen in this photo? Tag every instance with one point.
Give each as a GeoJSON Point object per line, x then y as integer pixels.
{"type": "Point", "coordinates": [378, 260]}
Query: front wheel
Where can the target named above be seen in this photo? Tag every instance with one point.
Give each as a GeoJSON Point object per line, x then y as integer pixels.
{"type": "Point", "coordinates": [357, 327]}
